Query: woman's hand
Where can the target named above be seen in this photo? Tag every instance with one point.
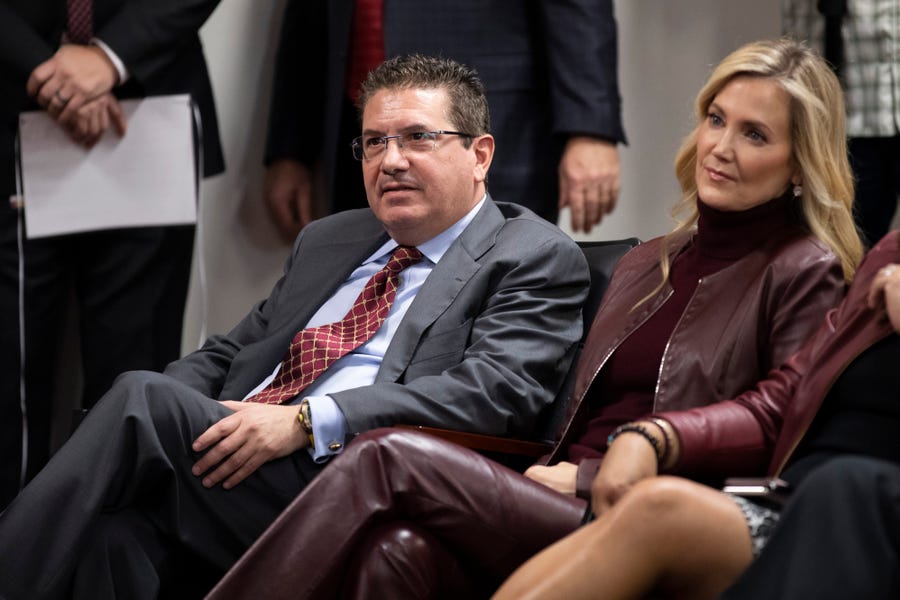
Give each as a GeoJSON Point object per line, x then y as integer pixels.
{"type": "Point", "coordinates": [629, 459]}
{"type": "Point", "coordinates": [561, 477]}
{"type": "Point", "coordinates": [885, 290]}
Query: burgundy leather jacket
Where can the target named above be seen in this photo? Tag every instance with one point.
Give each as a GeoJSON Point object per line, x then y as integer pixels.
{"type": "Point", "coordinates": [740, 323]}
{"type": "Point", "coordinates": [847, 331]}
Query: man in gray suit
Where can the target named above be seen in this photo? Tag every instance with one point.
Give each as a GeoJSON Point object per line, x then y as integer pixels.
{"type": "Point", "coordinates": [479, 337]}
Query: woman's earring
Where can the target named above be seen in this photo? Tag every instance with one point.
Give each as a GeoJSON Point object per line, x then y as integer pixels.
{"type": "Point", "coordinates": [798, 190]}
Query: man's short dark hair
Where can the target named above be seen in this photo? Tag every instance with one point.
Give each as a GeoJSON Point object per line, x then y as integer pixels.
{"type": "Point", "coordinates": [468, 111]}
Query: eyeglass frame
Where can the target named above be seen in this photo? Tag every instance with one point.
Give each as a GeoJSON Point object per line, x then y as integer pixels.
{"type": "Point", "coordinates": [357, 147]}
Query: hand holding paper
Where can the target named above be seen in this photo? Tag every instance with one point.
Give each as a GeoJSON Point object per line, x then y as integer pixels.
{"type": "Point", "coordinates": [145, 178]}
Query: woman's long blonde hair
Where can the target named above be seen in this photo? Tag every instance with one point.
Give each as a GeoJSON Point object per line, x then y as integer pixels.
{"type": "Point", "coordinates": [818, 140]}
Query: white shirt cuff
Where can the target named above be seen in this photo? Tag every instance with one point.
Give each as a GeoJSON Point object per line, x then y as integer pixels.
{"type": "Point", "coordinates": [114, 59]}
{"type": "Point", "coordinates": [329, 427]}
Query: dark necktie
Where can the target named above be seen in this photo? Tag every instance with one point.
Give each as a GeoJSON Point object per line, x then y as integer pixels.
{"type": "Point", "coordinates": [366, 43]}
{"type": "Point", "coordinates": [79, 21]}
{"type": "Point", "coordinates": [314, 349]}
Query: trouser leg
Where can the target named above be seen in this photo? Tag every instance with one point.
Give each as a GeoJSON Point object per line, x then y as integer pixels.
{"type": "Point", "coordinates": [122, 558]}
{"type": "Point", "coordinates": [133, 452]}
{"type": "Point", "coordinates": [839, 537]}
{"type": "Point", "coordinates": [401, 560]}
{"type": "Point", "coordinates": [46, 287]}
{"type": "Point", "coordinates": [484, 513]}
{"type": "Point", "coordinates": [126, 279]}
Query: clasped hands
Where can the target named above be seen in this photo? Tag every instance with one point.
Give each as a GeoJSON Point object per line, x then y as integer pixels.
{"type": "Point", "coordinates": [74, 87]}
{"type": "Point", "coordinates": [240, 443]}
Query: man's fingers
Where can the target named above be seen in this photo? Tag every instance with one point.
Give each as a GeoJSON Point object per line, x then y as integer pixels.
{"type": "Point", "coordinates": [216, 432]}
{"type": "Point", "coordinates": [246, 470]}
{"type": "Point", "coordinates": [117, 117]}
{"type": "Point", "coordinates": [71, 107]}
{"type": "Point", "coordinates": [39, 77]}
{"type": "Point", "coordinates": [593, 207]}
{"type": "Point", "coordinates": [228, 467]}
{"type": "Point", "coordinates": [576, 210]}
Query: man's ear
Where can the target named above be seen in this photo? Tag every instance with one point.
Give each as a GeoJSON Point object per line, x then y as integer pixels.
{"type": "Point", "coordinates": [484, 154]}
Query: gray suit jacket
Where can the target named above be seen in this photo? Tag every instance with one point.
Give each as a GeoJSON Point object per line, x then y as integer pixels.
{"type": "Point", "coordinates": [483, 347]}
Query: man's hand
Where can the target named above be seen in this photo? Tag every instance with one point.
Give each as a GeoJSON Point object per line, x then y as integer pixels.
{"type": "Point", "coordinates": [87, 126]}
{"type": "Point", "coordinates": [71, 78]}
{"type": "Point", "coordinates": [588, 180]}
{"type": "Point", "coordinates": [288, 196]}
{"type": "Point", "coordinates": [244, 441]}
{"type": "Point", "coordinates": [885, 290]}
{"type": "Point", "coordinates": [561, 477]}
{"type": "Point", "coordinates": [629, 459]}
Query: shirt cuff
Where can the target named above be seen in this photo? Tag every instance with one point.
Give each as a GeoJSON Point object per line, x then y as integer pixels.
{"type": "Point", "coordinates": [329, 427]}
{"type": "Point", "coordinates": [114, 59]}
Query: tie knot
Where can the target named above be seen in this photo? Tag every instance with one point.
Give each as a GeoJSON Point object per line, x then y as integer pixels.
{"type": "Point", "coordinates": [403, 257]}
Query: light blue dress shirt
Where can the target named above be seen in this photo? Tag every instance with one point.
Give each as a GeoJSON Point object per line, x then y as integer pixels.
{"type": "Point", "coordinates": [359, 367]}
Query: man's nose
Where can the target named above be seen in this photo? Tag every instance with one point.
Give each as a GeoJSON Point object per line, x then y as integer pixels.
{"type": "Point", "coordinates": [393, 158]}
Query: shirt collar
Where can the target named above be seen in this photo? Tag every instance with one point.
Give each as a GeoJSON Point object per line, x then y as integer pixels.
{"type": "Point", "coordinates": [435, 248]}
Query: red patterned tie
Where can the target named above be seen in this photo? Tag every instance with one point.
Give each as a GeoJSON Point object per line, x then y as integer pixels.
{"type": "Point", "coordinates": [79, 21]}
{"type": "Point", "coordinates": [366, 43]}
{"type": "Point", "coordinates": [313, 350]}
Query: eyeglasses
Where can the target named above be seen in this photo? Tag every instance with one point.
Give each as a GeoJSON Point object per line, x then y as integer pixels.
{"type": "Point", "coordinates": [370, 147]}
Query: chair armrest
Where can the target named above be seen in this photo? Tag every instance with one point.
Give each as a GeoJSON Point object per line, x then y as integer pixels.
{"type": "Point", "coordinates": [486, 443]}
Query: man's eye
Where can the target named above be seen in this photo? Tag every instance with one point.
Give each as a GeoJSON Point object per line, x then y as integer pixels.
{"type": "Point", "coordinates": [373, 141]}
{"type": "Point", "coordinates": [419, 136]}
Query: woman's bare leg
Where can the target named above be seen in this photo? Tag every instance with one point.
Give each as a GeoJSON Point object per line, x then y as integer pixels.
{"type": "Point", "coordinates": [667, 534]}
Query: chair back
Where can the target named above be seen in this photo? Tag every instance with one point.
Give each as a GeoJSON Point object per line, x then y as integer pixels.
{"type": "Point", "coordinates": [602, 258]}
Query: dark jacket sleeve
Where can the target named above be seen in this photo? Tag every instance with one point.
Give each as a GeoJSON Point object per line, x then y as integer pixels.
{"type": "Point", "coordinates": [298, 84]}
{"type": "Point", "coordinates": [147, 35]}
{"type": "Point", "coordinates": [582, 53]}
{"type": "Point", "coordinates": [21, 47]}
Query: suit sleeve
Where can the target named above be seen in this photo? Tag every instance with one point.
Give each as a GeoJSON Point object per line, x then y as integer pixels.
{"type": "Point", "coordinates": [518, 350]}
{"type": "Point", "coordinates": [147, 35]}
{"type": "Point", "coordinates": [21, 48]}
{"type": "Point", "coordinates": [206, 369]}
{"type": "Point", "coordinates": [298, 85]}
{"type": "Point", "coordinates": [737, 436]}
{"type": "Point", "coordinates": [582, 55]}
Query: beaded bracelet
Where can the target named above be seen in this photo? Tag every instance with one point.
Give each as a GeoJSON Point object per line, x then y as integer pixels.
{"type": "Point", "coordinates": [639, 429]}
{"type": "Point", "coordinates": [667, 460]}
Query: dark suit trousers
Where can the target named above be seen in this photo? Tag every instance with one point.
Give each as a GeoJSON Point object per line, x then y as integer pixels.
{"type": "Point", "coordinates": [876, 164]}
{"type": "Point", "coordinates": [403, 515]}
{"type": "Point", "coordinates": [118, 502]}
{"type": "Point", "coordinates": [129, 287]}
{"type": "Point", "coordinates": [839, 537]}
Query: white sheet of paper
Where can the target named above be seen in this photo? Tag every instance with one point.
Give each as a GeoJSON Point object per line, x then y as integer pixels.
{"type": "Point", "coordinates": [144, 178]}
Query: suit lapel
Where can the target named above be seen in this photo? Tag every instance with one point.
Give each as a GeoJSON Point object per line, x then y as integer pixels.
{"type": "Point", "coordinates": [306, 290]}
{"type": "Point", "coordinates": [458, 265]}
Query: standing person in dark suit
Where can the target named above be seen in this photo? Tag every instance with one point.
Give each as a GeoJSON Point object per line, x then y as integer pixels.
{"type": "Point", "coordinates": [130, 284]}
{"type": "Point", "coordinates": [478, 336]}
{"type": "Point", "coordinates": [549, 68]}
